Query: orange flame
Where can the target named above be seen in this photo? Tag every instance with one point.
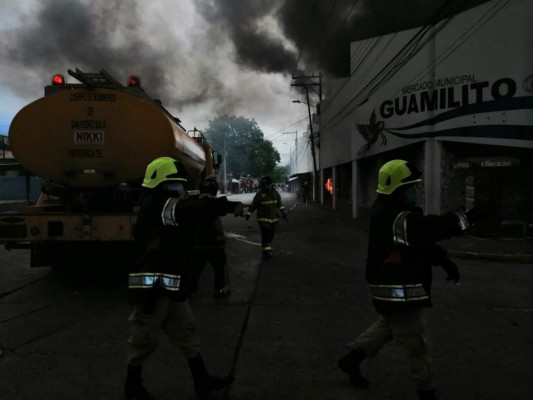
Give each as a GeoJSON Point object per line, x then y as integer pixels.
{"type": "Point", "coordinates": [329, 186]}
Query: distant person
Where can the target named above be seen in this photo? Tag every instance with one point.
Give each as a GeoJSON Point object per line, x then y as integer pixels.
{"type": "Point", "coordinates": [305, 192]}
{"type": "Point", "coordinates": [401, 252]}
{"type": "Point", "coordinates": [209, 244]}
{"type": "Point", "coordinates": [159, 283]}
{"type": "Point", "coordinates": [267, 202]}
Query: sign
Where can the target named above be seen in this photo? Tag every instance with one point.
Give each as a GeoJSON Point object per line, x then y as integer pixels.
{"type": "Point", "coordinates": [486, 162]}
{"type": "Point", "coordinates": [89, 137]}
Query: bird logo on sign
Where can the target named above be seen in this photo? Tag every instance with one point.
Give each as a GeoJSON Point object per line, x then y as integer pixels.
{"type": "Point", "coordinates": [371, 132]}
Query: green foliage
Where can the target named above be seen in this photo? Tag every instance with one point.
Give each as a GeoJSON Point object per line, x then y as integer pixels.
{"type": "Point", "coordinates": [248, 152]}
{"type": "Point", "coordinates": [281, 173]}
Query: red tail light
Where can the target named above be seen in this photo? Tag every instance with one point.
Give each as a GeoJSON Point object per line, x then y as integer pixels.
{"type": "Point", "coordinates": [134, 81]}
{"type": "Point", "coordinates": [58, 79]}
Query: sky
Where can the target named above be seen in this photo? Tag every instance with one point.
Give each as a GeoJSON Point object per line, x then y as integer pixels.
{"type": "Point", "coordinates": [202, 58]}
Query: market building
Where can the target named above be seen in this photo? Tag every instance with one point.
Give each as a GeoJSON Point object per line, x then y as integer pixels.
{"type": "Point", "coordinates": [455, 98]}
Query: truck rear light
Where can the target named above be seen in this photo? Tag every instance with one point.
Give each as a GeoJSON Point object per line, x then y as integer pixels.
{"type": "Point", "coordinates": [134, 81]}
{"type": "Point", "coordinates": [58, 79]}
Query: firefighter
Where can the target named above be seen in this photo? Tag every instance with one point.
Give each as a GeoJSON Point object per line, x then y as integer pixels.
{"type": "Point", "coordinates": [159, 284]}
{"type": "Point", "coordinates": [209, 244]}
{"type": "Point", "coordinates": [305, 191]}
{"type": "Point", "coordinates": [267, 202]}
{"type": "Point", "coordinates": [401, 251]}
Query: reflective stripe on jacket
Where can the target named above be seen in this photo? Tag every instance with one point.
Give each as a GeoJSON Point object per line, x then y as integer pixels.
{"type": "Point", "coordinates": [267, 204]}
{"type": "Point", "coordinates": [164, 237]}
{"type": "Point", "coordinates": [149, 280]}
{"type": "Point", "coordinates": [411, 292]}
{"type": "Point", "coordinates": [401, 253]}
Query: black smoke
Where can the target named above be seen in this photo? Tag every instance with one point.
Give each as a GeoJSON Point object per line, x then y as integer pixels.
{"type": "Point", "coordinates": [101, 34]}
{"type": "Point", "coordinates": [256, 46]}
{"type": "Point", "coordinates": [189, 69]}
{"type": "Point", "coordinates": [320, 30]}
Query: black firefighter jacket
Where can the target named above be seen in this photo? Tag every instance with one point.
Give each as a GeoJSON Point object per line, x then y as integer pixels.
{"type": "Point", "coordinates": [267, 203]}
{"type": "Point", "coordinates": [209, 233]}
{"type": "Point", "coordinates": [401, 251]}
{"type": "Point", "coordinates": [164, 240]}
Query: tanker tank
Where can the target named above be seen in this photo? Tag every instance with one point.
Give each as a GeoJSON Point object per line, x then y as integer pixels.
{"type": "Point", "coordinates": [95, 137]}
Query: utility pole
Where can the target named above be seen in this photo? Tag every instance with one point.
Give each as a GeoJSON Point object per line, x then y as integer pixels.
{"type": "Point", "coordinates": [311, 134]}
{"type": "Point", "coordinates": [225, 164]}
{"type": "Point", "coordinates": [311, 82]}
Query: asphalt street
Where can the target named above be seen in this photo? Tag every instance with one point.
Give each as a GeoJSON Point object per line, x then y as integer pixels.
{"type": "Point", "coordinates": [288, 320]}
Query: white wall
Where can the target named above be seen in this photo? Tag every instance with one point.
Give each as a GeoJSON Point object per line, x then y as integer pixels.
{"type": "Point", "coordinates": [478, 65]}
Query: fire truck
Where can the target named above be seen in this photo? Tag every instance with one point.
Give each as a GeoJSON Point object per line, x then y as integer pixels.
{"type": "Point", "coordinates": [90, 142]}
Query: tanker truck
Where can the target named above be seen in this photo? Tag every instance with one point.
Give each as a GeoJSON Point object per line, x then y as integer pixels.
{"type": "Point", "coordinates": [90, 142]}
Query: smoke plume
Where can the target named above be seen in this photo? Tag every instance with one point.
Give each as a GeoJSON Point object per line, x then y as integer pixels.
{"type": "Point", "coordinates": [214, 55]}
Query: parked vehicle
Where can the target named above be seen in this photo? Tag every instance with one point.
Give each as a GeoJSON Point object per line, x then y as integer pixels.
{"type": "Point", "coordinates": [91, 142]}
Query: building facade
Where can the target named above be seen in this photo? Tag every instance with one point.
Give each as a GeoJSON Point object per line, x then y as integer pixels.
{"type": "Point", "coordinates": [455, 98]}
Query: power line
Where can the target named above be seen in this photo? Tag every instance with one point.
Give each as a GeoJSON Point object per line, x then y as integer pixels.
{"type": "Point", "coordinates": [329, 47]}
{"type": "Point", "coordinates": [306, 34]}
{"type": "Point", "coordinates": [419, 46]}
{"type": "Point", "coordinates": [407, 52]}
{"type": "Point", "coordinates": [421, 32]}
{"type": "Point", "coordinates": [311, 57]}
{"type": "Point", "coordinates": [462, 38]}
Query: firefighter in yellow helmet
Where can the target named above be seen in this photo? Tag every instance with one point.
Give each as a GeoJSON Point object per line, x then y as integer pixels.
{"type": "Point", "coordinates": [401, 253]}
{"type": "Point", "coordinates": [160, 281]}
{"type": "Point", "coordinates": [267, 202]}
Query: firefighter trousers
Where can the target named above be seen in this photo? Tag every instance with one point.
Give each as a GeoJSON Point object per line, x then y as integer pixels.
{"type": "Point", "coordinates": [268, 230]}
{"type": "Point", "coordinates": [175, 318]}
{"type": "Point", "coordinates": [217, 258]}
{"type": "Point", "coordinates": [410, 332]}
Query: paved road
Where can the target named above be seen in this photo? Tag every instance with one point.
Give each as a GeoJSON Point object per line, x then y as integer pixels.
{"type": "Point", "coordinates": [281, 332]}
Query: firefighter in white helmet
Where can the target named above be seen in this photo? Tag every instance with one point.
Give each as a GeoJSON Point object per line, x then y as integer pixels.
{"type": "Point", "coordinates": [401, 253]}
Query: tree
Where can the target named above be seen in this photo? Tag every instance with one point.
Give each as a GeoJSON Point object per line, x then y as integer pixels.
{"type": "Point", "coordinates": [281, 173]}
{"type": "Point", "coordinates": [248, 152]}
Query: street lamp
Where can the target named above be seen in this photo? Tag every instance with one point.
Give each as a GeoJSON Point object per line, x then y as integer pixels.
{"type": "Point", "coordinates": [303, 102]}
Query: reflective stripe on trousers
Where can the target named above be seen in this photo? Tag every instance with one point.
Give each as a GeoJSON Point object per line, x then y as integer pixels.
{"type": "Point", "coordinates": [399, 292]}
{"type": "Point", "coordinates": [271, 221]}
{"type": "Point", "coordinates": [147, 280]}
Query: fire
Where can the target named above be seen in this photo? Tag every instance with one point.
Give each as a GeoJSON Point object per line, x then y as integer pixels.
{"type": "Point", "coordinates": [329, 186]}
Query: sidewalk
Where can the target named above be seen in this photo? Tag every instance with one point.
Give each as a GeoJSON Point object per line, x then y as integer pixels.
{"type": "Point", "coordinates": [505, 249]}
{"type": "Point", "coordinates": [519, 249]}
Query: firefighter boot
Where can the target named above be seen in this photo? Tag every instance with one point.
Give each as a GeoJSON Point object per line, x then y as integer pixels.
{"type": "Point", "coordinates": [134, 389]}
{"type": "Point", "coordinates": [203, 382]}
{"type": "Point", "coordinates": [350, 364]}
{"type": "Point", "coordinates": [428, 394]}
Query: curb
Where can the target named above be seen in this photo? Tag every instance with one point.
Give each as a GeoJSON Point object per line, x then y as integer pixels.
{"type": "Point", "coordinates": [514, 257]}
